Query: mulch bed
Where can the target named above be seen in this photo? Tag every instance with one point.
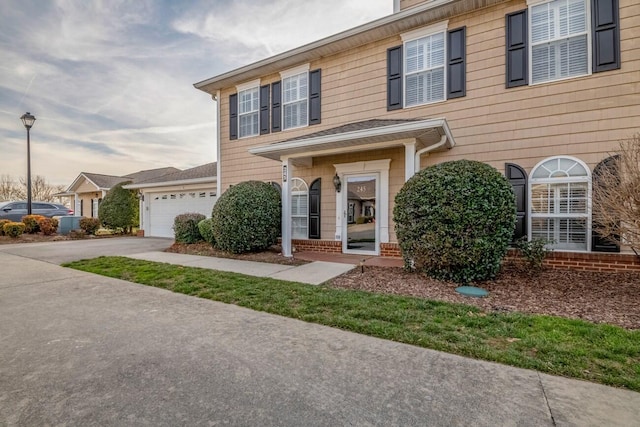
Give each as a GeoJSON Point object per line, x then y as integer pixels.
{"type": "Point", "coordinates": [612, 298]}
{"type": "Point", "coordinates": [271, 255]}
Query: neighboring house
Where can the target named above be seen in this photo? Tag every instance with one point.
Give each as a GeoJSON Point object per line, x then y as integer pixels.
{"type": "Point", "coordinates": [164, 197]}
{"type": "Point", "coordinates": [88, 189]}
{"type": "Point", "coordinates": [541, 90]}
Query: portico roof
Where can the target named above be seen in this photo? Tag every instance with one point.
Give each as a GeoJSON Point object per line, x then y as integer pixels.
{"type": "Point", "coordinates": [361, 136]}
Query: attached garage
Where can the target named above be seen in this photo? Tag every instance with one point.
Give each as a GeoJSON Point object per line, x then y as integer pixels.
{"type": "Point", "coordinates": [165, 206]}
{"type": "Point", "coordinates": [162, 199]}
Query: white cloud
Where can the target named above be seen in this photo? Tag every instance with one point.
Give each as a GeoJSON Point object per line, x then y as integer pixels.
{"type": "Point", "coordinates": [110, 82]}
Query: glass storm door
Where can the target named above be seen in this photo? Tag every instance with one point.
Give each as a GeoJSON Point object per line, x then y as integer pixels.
{"type": "Point", "coordinates": [361, 236]}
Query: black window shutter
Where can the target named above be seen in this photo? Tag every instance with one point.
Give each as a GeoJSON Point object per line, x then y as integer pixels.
{"type": "Point", "coordinates": [599, 243]}
{"type": "Point", "coordinates": [394, 78]}
{"type": "Point", "coordinates": [314, 209]}
{"type": "Point", "coordinates": [276, 96]}
{"type": "Point", "coordinates": [456, 61]}
{"type": "Point", "coordinates": [233, 116]}
{"type": "Point", "coordinates": [517, 177]}
{"type": "Point", "coordinates": [314, 96]}
{"type": "Point", "coordinates": [264, 109]}
{"type": "Point", "coordinates": [606, 35]}
{"type": "Point", "coordinates": [517, 53]}
{"type": "Point", "coordinates": [81, 207]}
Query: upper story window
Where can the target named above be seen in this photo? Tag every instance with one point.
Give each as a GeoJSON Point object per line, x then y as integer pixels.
{"type": "Point", "coordinates": [430, 66]}
{"type": "Point", "coordinates": [559, 40]}
{"type": "Point", "coordinates": [295, 98]}
{"type": "Point", "coordinates": [424, 69]}
{"type": "Point", "coordinates": [248, 106]}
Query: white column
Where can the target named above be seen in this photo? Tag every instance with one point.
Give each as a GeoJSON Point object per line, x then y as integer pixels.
{"type": "Point", "coordinates": [409, 160]}
{"type": "Point", "coordinates": [286, 207]}
{"type": "Point", "coordinates": [76, 205]}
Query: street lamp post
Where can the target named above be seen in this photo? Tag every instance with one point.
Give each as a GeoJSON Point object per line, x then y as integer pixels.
{"type": "Point", "coordinates": [27, 120]}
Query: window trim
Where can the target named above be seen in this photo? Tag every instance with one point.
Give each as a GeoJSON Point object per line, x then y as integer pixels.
{"type": "Point", "coordinates": [244, 87]}
{"type": "Point", "coordinates": [575, 179]}
{"type": "Point", "coordinates": [589, 34]}
{"type": "Point", "coordinates": [293, 72]}
{"type": "Point", "coordinates": [305, 192]}
{"type": "Point", "coordinates": [441, 27]}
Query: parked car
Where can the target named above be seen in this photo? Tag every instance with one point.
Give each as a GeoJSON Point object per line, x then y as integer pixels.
{"type": "Point", "coordinates": [14, 211]}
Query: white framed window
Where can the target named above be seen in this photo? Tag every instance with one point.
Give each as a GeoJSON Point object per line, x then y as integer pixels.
{"type": "Point", "coordinates": [425, 65]}
{"type": "Point", "coordinates": [560, 45]}
{"type": "Point", "coordinates": [560, 203]}
{"type": "Point", "coordinates": [295, 100]}
{"type": "Point", "coordinates": [299, 209]}
{"type": "Point", "coordinates": [248, 112]}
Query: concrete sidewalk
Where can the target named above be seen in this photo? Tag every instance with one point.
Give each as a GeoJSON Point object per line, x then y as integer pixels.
{"type": "Point", "coordinates": [314, 273]}
{"type": "Point", "coordinates": [81, 349]}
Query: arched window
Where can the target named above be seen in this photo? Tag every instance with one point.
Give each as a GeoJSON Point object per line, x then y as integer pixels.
{"type": "Point", "coordinates": [560, 208]}
{"type": "Point", "coordinates": [299, 209]}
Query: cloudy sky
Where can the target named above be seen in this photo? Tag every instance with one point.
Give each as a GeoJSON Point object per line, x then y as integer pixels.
{"type": "Point", "coordinates": [110, 82]}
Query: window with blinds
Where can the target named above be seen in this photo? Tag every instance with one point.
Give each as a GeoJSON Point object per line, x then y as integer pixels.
{"type": "Point", "coordinates": [248, 107]}
{"type": "Point", "coordinates": [425, 70]}
{"type": "Point", "coordinates": [294, 101]}
{"type": "Point", "coordinates": [559, 203]}
{"type": "Point", "coordinates": [559, 40]}
{"type": "Point", "coordinates": [299, 209]}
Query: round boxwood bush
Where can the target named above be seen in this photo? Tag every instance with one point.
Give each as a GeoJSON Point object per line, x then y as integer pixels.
{"type": "Point", "coordinates": [185, 227]}
{"type": "Point", "coordinates": [246, 218]}
{"type": "Point", "coordinates": [206, 232]}
{"type": "Point", "coordinates": [454, 221]}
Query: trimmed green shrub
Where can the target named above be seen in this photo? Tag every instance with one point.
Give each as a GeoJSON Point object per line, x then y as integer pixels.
{"type": "Point", "coordinates": [454, 221]}
{"type": "Point", "coordinates": [90, 225]}
{"type": "Point", "coordinates": [31, 223]}
{"type": "Point", "coordinates": [534, 251]}
{"type": "Point", "coordinates": [47, 226]}
{"type": "Point", "coordinates": [206, 232]}
{"type": "Point", "coordinates": [185, 227]}
{"type": "Point", "coordinates": [2, 223]}
{"type": "Point", "coordinates": [119, 209]}
{"type": "Point", "coordinates": [13, 229]}
{"type": "Point", "coordinates": [247, 217]}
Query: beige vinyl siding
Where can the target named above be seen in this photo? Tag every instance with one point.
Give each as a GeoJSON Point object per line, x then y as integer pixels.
{"type": "Point", "coordinates": [86, 187]}
{"type": "Point", "coordinates": [582, 117]}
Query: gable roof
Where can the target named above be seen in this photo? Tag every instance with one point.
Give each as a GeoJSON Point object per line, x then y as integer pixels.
{"type": "Point", "coordinates": [388, 26]}
{"type": "Point", "coordinates": [150, 174]}
{"type": "Point", "coordinates": [200, 174]}
{"type": "Point", "coordinates": [105, 182]}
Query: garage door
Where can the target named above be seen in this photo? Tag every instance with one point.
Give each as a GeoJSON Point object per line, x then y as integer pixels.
{"type": "Point", "coordinates": [164, 207]}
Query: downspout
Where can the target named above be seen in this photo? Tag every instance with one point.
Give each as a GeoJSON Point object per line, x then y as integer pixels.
{"type": "Point", "coordinates": [216, 98]}
{"type": "Point", "coordinates": [427, 150]}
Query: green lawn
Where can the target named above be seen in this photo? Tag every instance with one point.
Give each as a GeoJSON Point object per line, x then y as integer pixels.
{"type": "Point", "coordinates": [573, 348]}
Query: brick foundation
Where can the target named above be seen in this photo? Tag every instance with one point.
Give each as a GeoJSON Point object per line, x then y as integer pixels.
{"type": "Point", "coordinates": [589, 261]}
{"type": "Point", "coordinates": [592, 261]}
{"type": "Point", "coordinates": [325, 246]}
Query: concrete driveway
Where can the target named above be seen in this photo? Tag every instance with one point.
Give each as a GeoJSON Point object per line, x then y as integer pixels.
{"type": "Point", "coordinates": [74, 250]}
{"type": "Point", "coordinates": [80, 349]}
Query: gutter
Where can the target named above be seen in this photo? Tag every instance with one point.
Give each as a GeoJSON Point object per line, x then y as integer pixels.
{"type": "Point", "coordinates": [205, 180]}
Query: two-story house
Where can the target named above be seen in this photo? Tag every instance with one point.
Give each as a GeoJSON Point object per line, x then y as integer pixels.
{"type": "Point", "coordinates": [542, 90]}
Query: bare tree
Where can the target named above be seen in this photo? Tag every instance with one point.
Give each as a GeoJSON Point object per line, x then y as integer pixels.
{"type": "Point", "coordinates": [616, 196]}
{"type": "Point", "coordinates": [40, 189]}
{"type": "Point", "coordinates": [10, 189]}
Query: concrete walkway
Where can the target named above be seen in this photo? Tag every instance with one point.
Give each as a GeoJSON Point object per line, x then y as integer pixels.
{"type": "Point", "coordinates": [314, 273]}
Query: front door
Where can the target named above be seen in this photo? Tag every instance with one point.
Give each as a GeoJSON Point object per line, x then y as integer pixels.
{"type": "Point", "coordinates": [360, 222]}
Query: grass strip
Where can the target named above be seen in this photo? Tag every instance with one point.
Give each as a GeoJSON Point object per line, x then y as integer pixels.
{"type": "Point", "coordinates": [573, 348]}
